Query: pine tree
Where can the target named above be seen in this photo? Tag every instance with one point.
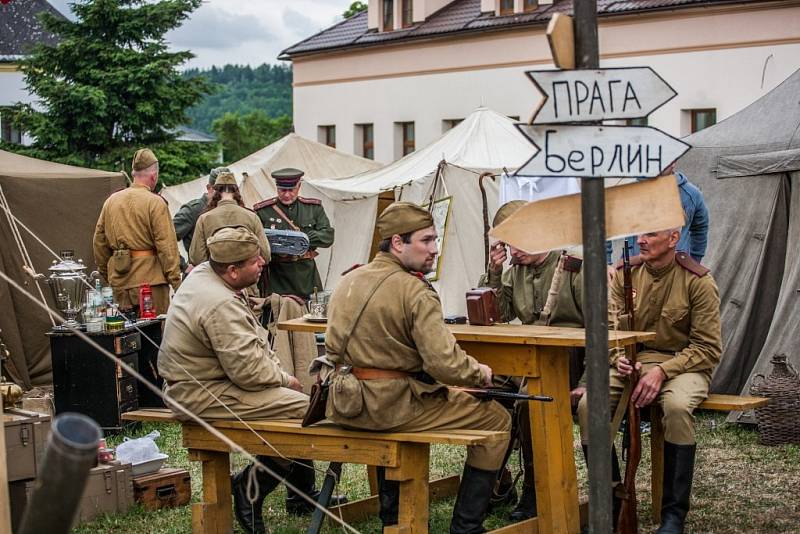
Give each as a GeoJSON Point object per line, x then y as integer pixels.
{"type": "Point", "coordinates": [110, 83]}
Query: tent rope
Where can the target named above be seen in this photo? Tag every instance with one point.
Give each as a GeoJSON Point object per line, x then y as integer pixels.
{"type": "Point", "coordinates": [23, 250]}
{"type": "Point", "coordinates": [235, 447]}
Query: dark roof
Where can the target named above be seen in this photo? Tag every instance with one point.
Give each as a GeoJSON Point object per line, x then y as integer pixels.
{"type": "Point", "coordinates": [464, 16]}
{"type": "Point", "coordinates": [20, 27]}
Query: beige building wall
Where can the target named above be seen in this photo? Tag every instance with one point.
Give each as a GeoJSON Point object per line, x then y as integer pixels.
{"type": "Point", "coordinates": [723, 58]}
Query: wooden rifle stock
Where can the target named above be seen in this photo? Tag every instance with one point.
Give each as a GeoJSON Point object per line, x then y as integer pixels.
{"type": "Point", "coordinates": [628, 521]}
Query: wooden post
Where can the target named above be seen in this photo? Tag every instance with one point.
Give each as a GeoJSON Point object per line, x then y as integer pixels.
{"type": "Point", "coordinates": [5, 506]}
{"type": "Point", "coordinates": [213, 515]}
{"type": "Point", "coordinates": [412, 474]}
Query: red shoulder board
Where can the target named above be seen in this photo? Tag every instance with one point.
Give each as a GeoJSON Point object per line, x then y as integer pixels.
{"type": "Point", "coordinates": [265, 203]}
{"type": "Point", "coordinates": [636, 260]}
{"type": "Point", "coordinates": [305, 200]}
{"type": "Point", "coordinates": [424, 280]}
{"type": "Point", "coordinates": [691, 265]}
{"type": "Point", "coordinates": [352, 268]}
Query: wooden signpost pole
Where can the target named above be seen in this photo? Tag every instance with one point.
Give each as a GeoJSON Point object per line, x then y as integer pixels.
{"type": "Point", "coordinates": [595, 304]}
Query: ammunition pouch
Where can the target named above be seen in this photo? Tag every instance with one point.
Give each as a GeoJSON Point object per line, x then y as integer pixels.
{"type": "Point", "coordinates": [345, 393]}
{"type": "Point", "coordinates": [120, 261]}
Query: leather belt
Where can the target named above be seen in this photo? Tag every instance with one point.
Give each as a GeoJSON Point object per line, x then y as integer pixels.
{"type": "Point", "coordinates": [286, 258]}
{"type": "Point", "coordinates": [368, 373]}
{"type": "Point", "coordinates": [142, 253]}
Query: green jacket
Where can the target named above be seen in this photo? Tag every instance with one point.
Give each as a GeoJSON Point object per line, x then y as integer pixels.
{"type": "Point", "coordinates": [185, 220]}
{"type": "Point", "coordinates": [522, 293]}
{"type": "Point", "coordinates": [287, 276]}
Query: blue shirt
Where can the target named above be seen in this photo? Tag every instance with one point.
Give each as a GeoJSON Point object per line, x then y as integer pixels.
{"type": "Point", "coordinates": [694, 234]}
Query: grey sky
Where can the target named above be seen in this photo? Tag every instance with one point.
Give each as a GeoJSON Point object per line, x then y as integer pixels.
{"type": "Point", "coordinates": [248, 32]}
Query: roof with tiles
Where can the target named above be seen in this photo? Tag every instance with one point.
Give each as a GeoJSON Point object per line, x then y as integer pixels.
{"type": "Point", "coordinates": [20, 27]}
{"type": "Point", "coordinates": [464, 16]}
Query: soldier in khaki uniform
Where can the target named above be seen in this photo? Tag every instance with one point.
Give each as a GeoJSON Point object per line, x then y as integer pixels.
{"type": "Point", "coordinates": [522, 292]}
{"type": "Point", "coordinates": [225, 208]}
{"type": "Point", "coordinates": [394, 354]}
{"type": "Point", "coordinates": [677, 298]}
{"type": "Point", "coordinates": [290, 275]}
{"type": "Point", "coordinates": [212, 335]}
{"type": "Point", "coordinates": [134, 240]}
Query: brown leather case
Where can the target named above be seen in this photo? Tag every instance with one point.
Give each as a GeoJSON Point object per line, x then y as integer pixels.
{"type": "Point", "coordinates": [482, 308]}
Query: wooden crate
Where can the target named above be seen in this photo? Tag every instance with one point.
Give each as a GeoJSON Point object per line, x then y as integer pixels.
{"type": "Point", "coordinates": [108, 491]}
{"type": "Point", "coordinates": [167, 488]}
{"type": "Point", "coordinates": [26, 439]}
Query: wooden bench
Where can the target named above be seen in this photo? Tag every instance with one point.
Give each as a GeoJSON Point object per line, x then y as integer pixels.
{"type": "Point", "coordinates": [405, 456]}
{"type": "Point", "coordinates": [720, 403]}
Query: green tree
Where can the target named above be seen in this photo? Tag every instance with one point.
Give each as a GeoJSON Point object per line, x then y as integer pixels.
{"type": "Point", "coordinates": [354, 9]}
{"type": "Point", "coordinates": [110, 85]}
{"type": "Point", "coordinates": [242, 135]}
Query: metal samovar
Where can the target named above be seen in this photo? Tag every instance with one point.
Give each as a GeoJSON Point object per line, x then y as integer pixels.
{"type": "Point", "coordinates": [68, 283]}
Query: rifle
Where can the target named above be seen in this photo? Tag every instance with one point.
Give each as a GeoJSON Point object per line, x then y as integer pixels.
{"type": "Point", "coordinates": [628, 522]}
{"type": "Point", "coordinates": [501, 394]}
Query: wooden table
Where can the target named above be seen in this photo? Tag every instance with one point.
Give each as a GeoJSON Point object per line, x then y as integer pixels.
{"type": "Point", "coordinates": [541, 354]}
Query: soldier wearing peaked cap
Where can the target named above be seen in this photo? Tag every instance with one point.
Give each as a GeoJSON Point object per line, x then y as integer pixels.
{"type": "Point", "coordinates": [134, 240]}
{"type": "Point", "coordinates": [399, 386]}
{"type": "Point", "coordinates": [522, 291]}
{"type": "Point", "coordinates": [292, 275]}
{"type": "Point", "coordinates": [212, 335]}
{"type": "Point", "coordinates": [186, 217]}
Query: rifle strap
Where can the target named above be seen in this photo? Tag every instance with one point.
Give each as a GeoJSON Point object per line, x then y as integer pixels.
{"type": "Point", "coordinates": [552, 293]}
{"type": "Point", "coordinates": [622, 408]}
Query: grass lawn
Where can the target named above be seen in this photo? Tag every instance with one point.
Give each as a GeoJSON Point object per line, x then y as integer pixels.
{"type": "Point", "coordinates": [739, 486]}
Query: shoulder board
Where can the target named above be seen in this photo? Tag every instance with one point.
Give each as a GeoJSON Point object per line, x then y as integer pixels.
{"type": "Point", "coordinates": [572, 264]}
{"type": "Point", "coordinates": [305, 200]}
{"type": "Point", "coordinates": [635, 261]}
{"type": "Point", "coordinates": [265, 203]}
{"type": "Point", "coordinates": [422, 279]}
{"type": "Point", "coordinates": [689, 263]}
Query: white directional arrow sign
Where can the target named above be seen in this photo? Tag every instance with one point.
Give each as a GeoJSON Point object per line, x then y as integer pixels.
{"type": "Point", "coordinates": [594, 95]}
{"type": "Point", "coordinates": [599, 151]}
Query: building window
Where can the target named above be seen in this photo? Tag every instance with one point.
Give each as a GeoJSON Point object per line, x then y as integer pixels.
{"type": "Point", "coordinates": [388, 15]}
{"type": "Point", "coordinates": [702, 118]}
{"type": "Point", "coordinates": [403, 139]}
{"type": "Point", "coordinates": [449, 124]}
{"type": "Point", "coordinates": [506, 7]}
{"type": "Point", "coordinates": [408, 13]}
{"type": "Point", "coordinates": [637, 122]}
{"type": "Point", "coordinates": [8, 133]}
{"type": "Point", "coordinates": [327, 135]}
{"type": "Point", "coordinates": [530, 5]}
{"type": "Point", "coordinates": [365, 144]}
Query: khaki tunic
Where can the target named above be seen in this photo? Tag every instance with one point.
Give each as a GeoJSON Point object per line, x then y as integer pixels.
{"type": "Point", "coordinates": [402, 328]}
{"type": "Point", "coordinates": [682, 308]}
{"type": "Point", "coordinates": [211, 335]}
{"type": "Point", "coordinates": [137, 219]}
{"type": "Point", "coordinates": [227, 213]}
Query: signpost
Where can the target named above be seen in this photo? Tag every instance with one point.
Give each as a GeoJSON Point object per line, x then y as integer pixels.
{"type": "Point", "coordinates": [599, 151]}
{"type": "Point", "coordinates": [601, 94]}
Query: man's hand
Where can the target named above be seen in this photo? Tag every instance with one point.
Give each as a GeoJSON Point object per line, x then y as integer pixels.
{"type": "Point", "coordinates": [294, 384]}
{"type": "Point", "coordinates": [189, 268]}
{"type": "Point", "coordinates": [497, 256]}
{"type": "Point", "coordinates": [257, 303]}
{"type": "Point", "coordinates": [487, 374]}
{"type": "Point", "coordinates": [576, 394]}
{"type": "Point", "coordinates": [649, 385]}
{"type": "Point", "coordinates": [610, 271]}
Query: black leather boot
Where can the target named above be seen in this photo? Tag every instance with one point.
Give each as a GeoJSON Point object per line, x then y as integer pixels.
{"type": "Point", "coordinates": [303, 477]}
{"type": "Point", "coordinates": [526, 508]}
{"type": "Point", "coordinates": [389, 497]}
{"type": "Point", "coordinates": [472, 501]}
{"type": "Point", "coordinates": [247, 513]}
{"type": "Point", "coordinates": [678, 473]}
{"type": "Point", "coordinates": [616, 481]}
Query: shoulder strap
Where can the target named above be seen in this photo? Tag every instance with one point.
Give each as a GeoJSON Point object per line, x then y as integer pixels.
{"type": "Point", "coordinates": [689, 263]}
{"type": "Point", "coordinates": [357, 316]}
{"type": "Point", "coordinates": [280, 212]}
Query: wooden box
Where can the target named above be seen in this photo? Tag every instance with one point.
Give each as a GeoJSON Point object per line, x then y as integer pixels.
{"type": "Point", "coordinates": [109, 490]}
{"type": "Point", "coordinates": [166, 488]}
{"type": "Point", "coordinates": [26, 439]}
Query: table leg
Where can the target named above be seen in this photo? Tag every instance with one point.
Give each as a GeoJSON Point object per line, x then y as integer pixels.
{"type": "Point", "coordinates": [656, 458]}
{"type": "Point", "coordinates": [214, 514]}
{"type": "Point", "coordinates": [412, 473]}
{"type": "Point", "coordinates": [553, 456]}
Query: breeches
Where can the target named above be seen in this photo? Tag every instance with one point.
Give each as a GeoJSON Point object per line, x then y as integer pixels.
{"type": "Point", "coordinates": [463, 411]}
{"type": "Point", "coordinates": [129, 298]}
{"type": "Point", "coordinates": [272, 403]}
{"type": "Point", "coordinates": [678, 399]}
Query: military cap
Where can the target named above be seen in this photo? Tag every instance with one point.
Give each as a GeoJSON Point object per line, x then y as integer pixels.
{"type": "Point", "coordinates": [230, 244]}
{"type": "Point", "coordinates": [402, 218]}
{"type": "Point", "coordinates": [216, 171]}
{"type": "Point", "coordinates": [506, 210]}
{"type": "Point", "coordinates": [287, 178]}
{"type": "Point", "coordinates": [143, 158]}
{"type": "Point", "coordinates": [226, 178]}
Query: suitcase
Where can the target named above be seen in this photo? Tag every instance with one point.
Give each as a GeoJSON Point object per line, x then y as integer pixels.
{"type": "Point", "coordinates": [26, 440]}
{"type": "Point", "coordinates": [482, 308]}
{"type": "Point", "coordinates": [166, 488]}
{"type": "Point", "coordinates": [109, 490]}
